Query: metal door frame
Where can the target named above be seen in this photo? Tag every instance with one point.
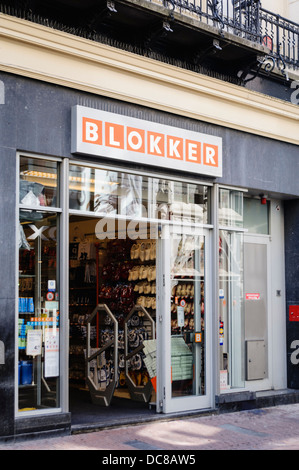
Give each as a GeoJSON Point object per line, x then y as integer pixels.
{"type": "Point", "coordinates": [165, 402]}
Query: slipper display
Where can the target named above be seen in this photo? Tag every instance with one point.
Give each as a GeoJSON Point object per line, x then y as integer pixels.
{"type": "Point", "coordinates": [126, 277]}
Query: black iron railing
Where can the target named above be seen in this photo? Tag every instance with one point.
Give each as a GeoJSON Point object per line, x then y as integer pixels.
{"type": "Point", "coordinates": [246, 19]}
{"type": "Point", "coordinates": [281, 36]}
{"type": "Point", "coordinates": [243, 18]}
{"type": "Point", "coordinates": [240, 17]}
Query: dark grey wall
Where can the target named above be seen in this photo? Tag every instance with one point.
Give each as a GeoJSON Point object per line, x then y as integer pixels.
{"type": "Point", "coordinates": [292, 288]}
{"type": "Point", "coordinates": [267, 85]}
{"type": "Point", "coordinates": [7, 286]}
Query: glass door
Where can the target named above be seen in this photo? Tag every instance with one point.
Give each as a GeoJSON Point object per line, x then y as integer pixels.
{"type": "Point", "coordinates": [185, 355]}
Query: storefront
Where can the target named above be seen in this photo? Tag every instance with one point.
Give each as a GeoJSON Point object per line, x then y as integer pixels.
{"type": "Point", "coordinates": [139, 286]}
{"type": "Point", "coordinates": [135, 250]}
{"type": "Point", "coordinates": [149, 266]}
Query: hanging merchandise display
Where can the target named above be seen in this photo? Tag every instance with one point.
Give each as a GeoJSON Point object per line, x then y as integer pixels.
{"type": "Point", "coordinates": [118, 279]}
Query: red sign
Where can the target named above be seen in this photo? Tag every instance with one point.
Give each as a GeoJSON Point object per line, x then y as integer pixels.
{"type": "Point", "coordinates": [253, 296]}
{"type": "Point", "coordinates": [294, 312]}
{"type": "Point", "coordinates": [268, 42]}
{"type": "Point", "coordinates": [50, 296]}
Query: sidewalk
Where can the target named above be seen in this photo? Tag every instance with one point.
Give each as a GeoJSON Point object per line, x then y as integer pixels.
{"type": "Point", "coordinates": [274, 428]}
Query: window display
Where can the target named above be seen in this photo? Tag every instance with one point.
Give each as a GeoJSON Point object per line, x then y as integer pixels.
{"type": "Point", "coordinates": [231, 310]}
{"type": "Point", "coordinates": [188, 315]}
{"type": "Point", "coordinates": [38, 183]}
{"type": "Point", "coordinates": [39, 285]}
{"type": "Point", "coordinates": [38, 317]}
{"type": "Point", "coordinates": [115, 219]}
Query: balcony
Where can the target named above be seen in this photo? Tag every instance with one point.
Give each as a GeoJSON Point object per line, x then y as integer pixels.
{"type": "Point", "coordinates": [236, 39]}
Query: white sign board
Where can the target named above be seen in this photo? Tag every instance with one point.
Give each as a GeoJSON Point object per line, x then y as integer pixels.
{"type": "Point", "coordinates": [103, 134]}
{"type": "Point", "coordinates": [51, 352]}
{"type": "Point", "coordinates": [34, 342]}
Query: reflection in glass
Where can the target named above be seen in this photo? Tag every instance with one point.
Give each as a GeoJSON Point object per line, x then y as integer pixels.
{"type": "Point", "coordinates": [230, 208]}
{"type": "Point", "coordinates": [38, 182]}
{"type": "Point", "coordinates": [106, 192]}
{"type": "Point", "coordinates": [231, 307]}
{"type": "Point", "coordinates": [256, 216]}
{"type": "Point", "coordinates": [188, 316]}
{"type": "Point", "coordinates": [38, 318]}
{"type": "Point", "coordinates": [111, 192]}
{"type": "Point", "coordinates": [181, 202]}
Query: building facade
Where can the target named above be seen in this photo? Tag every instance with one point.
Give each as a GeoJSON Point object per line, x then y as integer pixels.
{"type": "Point", "coordinates": [149, 210]}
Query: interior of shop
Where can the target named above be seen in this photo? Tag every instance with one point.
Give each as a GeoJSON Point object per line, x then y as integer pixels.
{"type": "Point", "coordinates": [112, 368]}
{"type": "Point", "coordinates": [119, 275]}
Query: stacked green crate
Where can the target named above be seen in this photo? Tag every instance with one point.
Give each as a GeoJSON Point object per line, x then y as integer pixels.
{"type": "Point", "coordinates": [181, 359]}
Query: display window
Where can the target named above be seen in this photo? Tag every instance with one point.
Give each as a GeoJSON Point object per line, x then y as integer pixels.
{"type": "Point", "coordinates": [117, 193]}
{"type": "Point", "coordinates": [188, 315]}
{"type": "Point", "coordinates": [38, 324]}
{"type": "Point", "coordinates": [231, 332]}
{"type": "Point", "coordinates": [256, 215]}
{"type": "Point", "coordinates": [231, 310]}
{"type": "Point", "coordinates": [230, 208]}
{"type": "Point", "coordinates": [38, 183]}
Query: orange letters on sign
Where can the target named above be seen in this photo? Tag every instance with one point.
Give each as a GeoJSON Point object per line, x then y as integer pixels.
{"type": "Point", "coordinates": [135, 140]}
{"type": "Point", "coordinates": [114, 135]}
{"type": "Point", "coordinates": [210, 153]}
{"type": "Point", "coordinates": [186, 150]}
{"type": "Point", "coordinates": [156, 144]}
{"type": "Point", "coordinates": [175, 147]}
{"type": "Point", "coordinates": [92, 131]}
{"type": "Point", "coordinates": [193, 151]}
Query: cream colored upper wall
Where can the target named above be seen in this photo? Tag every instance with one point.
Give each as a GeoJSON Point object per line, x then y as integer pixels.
{"type": "Point", "coordinates": [294, 10]}
{"type": "Point", "coordinates": [280, 7]}
{"type": "Point", "coordinates": [41, 53]}
{"type": "Point", "coordinates": [286, 8]}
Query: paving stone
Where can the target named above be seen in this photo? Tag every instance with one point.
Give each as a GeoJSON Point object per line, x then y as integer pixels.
{"type": "Point", "coordinates": [275, 428]}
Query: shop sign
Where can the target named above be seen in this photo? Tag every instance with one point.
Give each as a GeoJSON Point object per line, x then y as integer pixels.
{"type": "Point", "coordinates": [253, 296]}
{"type": "Point", "coordinates": [103, 134]}
{"type": "Point", "coordinates": [34, 342]}
{"type": "Point", "coordinates": [294, 313]}
{"type": "Point", "coordinates": [223, 380]}
{"type": "Point", "coordinates": [50, 296]}
{"type": "Point", "coordinates": [197, 338]}
{"type": "Point", "coordinates": [51, 367]}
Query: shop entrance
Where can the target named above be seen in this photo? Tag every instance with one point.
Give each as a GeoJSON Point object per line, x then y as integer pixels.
{"type": "Point", "coordinates": [185, 335]}
{"type": "Point", "coordinates": [112, 314]}
{"type": "Point", "coordinates": [124, 231]}
{"type": "Point", "coordinates": [139, 322]}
